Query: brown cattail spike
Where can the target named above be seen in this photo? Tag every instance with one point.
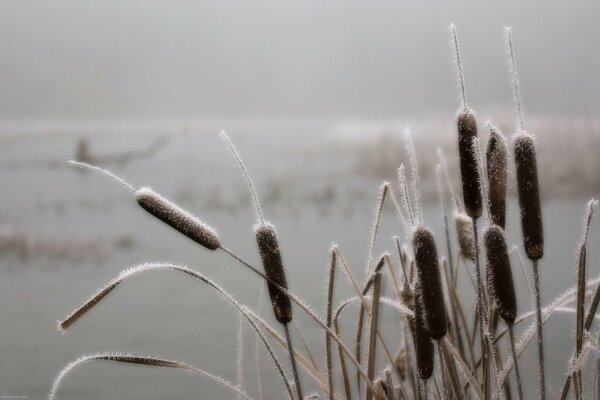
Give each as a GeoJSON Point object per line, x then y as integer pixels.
{"type": "Point", "coordinates": [464, 233]}
{"type": "Point", "coordinates": [428, 272]}
{"type": "Point", "coordinates": [177, 218]}
{"type": "Point", "coordinates": [266, 238]}
{"type": "Point", "coordinates": [500, 280]}
{"type": "Point", "coordinates": [496, 155]}
{"type": "Point", "coordinates": [529, 195]}
{"type": "Point", "coordinates": [469, 170]}
{"type": "Point", "coordinates": [423, 345]}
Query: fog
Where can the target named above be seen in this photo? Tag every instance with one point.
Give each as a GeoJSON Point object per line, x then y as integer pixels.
{"type": "Point", "coordinates": [115, 60]}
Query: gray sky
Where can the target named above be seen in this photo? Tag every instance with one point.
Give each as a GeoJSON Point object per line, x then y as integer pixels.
{"type": "Point", "coordinates": [365, 59]}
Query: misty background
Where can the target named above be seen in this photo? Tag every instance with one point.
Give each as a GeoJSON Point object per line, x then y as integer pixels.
{"type": "Point", "coordinates": [316, 96]}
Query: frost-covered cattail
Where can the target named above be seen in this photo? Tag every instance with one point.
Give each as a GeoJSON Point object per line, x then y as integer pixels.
{"type": "Point", "coordinates": [177, 218]}
{"type": "Point", "coordinates": [429, 280]}
{"type": "Point", "coordinates": [424, 348]}
{"type": "Point", "coordinates": [529, 195]}
{"type": "Point", "coordinates": [496, 155]}
{"type": "Point", "coordinates": [266, 238]}
{"type": "Point", "coordinates": [464, 233]}
{"type": "Point", "coordinates": [469, 170]}
{"type": "Point", "coordinates": [500, 280]}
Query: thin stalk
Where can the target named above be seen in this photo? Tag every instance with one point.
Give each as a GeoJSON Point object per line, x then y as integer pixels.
{"type": "Point", "coordinates": [481, 312]}
{"type": "Point", "coordinates": [307, 310]}
{"type": "Point", "coordinates": [330, 286]}
{"type": "Point", "coordinates": [293, 360]}
{"type": "Point", "coordinates": [511, 329]}
{"type": "Point", "coordinates": [373, 331]}
{"type": "Point", "coordinates": [538, 318]}
{"type": "Point", "coordinates": [443, 372]}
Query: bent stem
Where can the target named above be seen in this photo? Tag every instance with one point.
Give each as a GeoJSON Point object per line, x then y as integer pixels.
{"type": "Point", "coordinates": [538, 318]}
{"type": "Point", "coordinates": [290, 347]}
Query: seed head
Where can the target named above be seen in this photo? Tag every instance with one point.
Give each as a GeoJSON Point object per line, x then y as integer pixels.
{"type": "Point", "coordinates": [496, 155]}
{"type": "Point", "coordinates": [529, 195]}
{"type": "Point", "coordinates": [500, 280]}
{"type": "Point", "coordinates": [177, 218]}
{"type": "Point", "coordinates": [469, 169]}
{"type": "Point", "coordinates": [464, 233]}
{"type": "Point", "coordinates": [423, 344]}
{"type": "Point", "coordinates": [428, 272]}
{"type": "Point", "coordinates": [268, 247]}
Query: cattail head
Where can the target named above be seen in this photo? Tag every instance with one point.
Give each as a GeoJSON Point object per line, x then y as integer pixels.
{"type": "Point", "coordinates": [177, 218]}
{"type": "Point", "coordinates": [464, 233]}
{"type": "Point", "coordinates": [268, 247]}
{"type": "Point", "coordinates": [430, 283]}
{"type": "Point", "coordinates": [500, 280]}
{"type": "Point", "coordinates": [469, 169]}
{"type": "Point", "coordinates": [529, 195]}
{"type": "Point", "coordinates": [423, 345]}
{"type": "Point", "coordinates": [496, 155]}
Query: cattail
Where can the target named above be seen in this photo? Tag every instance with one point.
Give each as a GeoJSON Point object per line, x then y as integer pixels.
{"type": "Point", "coordinates": [496, 155]}
{"type": "Point", "coordinates": [177, 218]}
{"type": "Point", "coordinates": [500, 280]}
{"type": "Point", "coordinates": [268, 247]}
{"type": "Point", "coordinates": [464, 233]}
{"type": "Point", "coordinates": [469, 170]}
{"type": "Point", "coordinates": [529, 195]}
{"type": "Point", "coordinates": [428, 271]}
{"type": "Point", "coordinates": [423, 345]}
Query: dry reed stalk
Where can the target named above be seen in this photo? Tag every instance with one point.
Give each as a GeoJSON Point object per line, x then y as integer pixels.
{"type": "Point", "coordinates": [268, 246]}
{"type": "Point", "coordinates": [131, 272]}
{"type": "Point", "coordinates": [147, 361]}
{"type": "Point", "coordinates": [374, 323]}
{"type": "Point", "coordinates": [580, 325]}
{"type": "Point", "coordinates": [529, 200]}
{"type": "Point", "coordinates": [496, 156]}
{"type": "Point", "coordinates": [328, 311]}
{"type": "Point", "coordinates": [300, 303]}
{"type": "Point", "coordinates": [165, 210]}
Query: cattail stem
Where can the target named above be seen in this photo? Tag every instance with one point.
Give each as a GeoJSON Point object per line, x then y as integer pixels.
{"type": "Point", "coordinates": [511, 332]}
{"type": "Point", "coordinates": [538, 318]}
{"type": "Point", "coordinates": [373, 331]}
{"type": "Point", "coordinates": [482, 312]}
{"type": "Point", "coordinates": [445, 390]}
{"type": "Point", "coordinates": [290, 347]}
{"type": "Point", "coordinates": [330, 286]}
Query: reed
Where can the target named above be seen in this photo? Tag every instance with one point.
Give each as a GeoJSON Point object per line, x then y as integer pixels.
{"type": "Point", "coordinates": [419, 294]}
{"type": "Point", "coordinates": [529, 200]}
{"type": "Point", "coordinates": [270, 254]}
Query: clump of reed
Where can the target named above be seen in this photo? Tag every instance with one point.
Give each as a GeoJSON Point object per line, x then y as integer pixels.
{"type": "Point", "coordinates": [424, 281]}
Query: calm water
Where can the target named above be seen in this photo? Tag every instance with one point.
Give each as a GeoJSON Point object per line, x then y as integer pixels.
{"type": "Point", "coordinates": [69, 233]}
